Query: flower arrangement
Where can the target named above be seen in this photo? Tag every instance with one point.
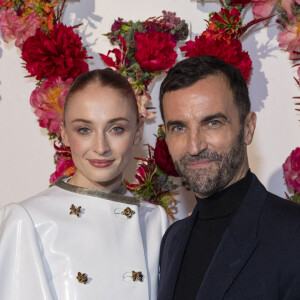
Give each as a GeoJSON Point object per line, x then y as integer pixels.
{"type": "Point", "coordinates": [153, 177]}
{"type": "Point", "coordinates": [53, 53]}
{"type": "Point", "coordinates": [289, 40]}
{"type": "Point", "coordinates": [145, 50]}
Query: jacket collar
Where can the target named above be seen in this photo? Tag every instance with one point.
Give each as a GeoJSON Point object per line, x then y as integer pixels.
{"type": "Point", "coordinates": [237, 245]}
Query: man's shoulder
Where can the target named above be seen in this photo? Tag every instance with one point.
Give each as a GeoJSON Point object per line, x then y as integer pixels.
{"type": "Point", "coordinates": [280, 210]}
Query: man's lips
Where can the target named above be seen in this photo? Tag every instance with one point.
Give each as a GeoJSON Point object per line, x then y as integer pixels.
{"type": "Point", "coordinates": [100, 163]}
{"type": "Point", "coordinates": [199, 164]}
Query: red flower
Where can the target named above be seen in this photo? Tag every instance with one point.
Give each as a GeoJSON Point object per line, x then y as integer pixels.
{"type": "Point", "coordinates": [291, 170]}
{"type": "Point", "coordinates": [65, 165]}
{"type": "Point", "coordinates": [229, 18]}
{"type": "Point", "coordinates": [155, 51]}
{"type": "Point", "coordinates": [120, 56]}
{"type": "Point", "coordinates": [239, 2]}
{"type": "Point", "coordinates": [230, 50]}
{"type": "Point", "coordinates": [58, 53]}
{"type": "Point", "coordinates": [163, 158]}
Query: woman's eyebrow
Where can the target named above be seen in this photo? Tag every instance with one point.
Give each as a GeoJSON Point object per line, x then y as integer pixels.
{"type": "Point", "coordinates": [82, 121]}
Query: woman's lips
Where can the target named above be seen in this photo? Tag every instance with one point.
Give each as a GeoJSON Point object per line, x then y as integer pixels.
{"type": "Point", "coordinates": [100, 163]}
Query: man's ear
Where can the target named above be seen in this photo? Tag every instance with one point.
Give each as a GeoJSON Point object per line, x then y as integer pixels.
{"type": "Point", "coordinates": [249, 127]}
{"type": "Point", "coordinates": [139, 133]}
{"type": "Point", "coordinates": [64, 135]}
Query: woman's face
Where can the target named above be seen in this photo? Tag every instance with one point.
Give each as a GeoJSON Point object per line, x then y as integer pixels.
{"type": "Point", "coordinates": [100, 128]}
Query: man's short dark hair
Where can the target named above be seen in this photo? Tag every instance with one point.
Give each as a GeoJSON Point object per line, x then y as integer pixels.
{"type": "Point", "coordinates": [189, 71]}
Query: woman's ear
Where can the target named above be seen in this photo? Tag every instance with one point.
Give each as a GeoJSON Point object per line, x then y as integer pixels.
{"type": "Point", "coordinates": [139, 133]}
{"type": "Point", "coordinates": [64, 135]}
{"type": "Point", "coordinates": [249, 127]}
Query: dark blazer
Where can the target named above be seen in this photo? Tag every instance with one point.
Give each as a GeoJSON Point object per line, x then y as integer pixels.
{"type": "Point", "coordinates": [257, 258]}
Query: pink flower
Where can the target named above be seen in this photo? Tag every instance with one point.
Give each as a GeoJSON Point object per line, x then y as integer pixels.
{"type": "Point", "coordinates": [48, 101]}
{"type": "Point", "coordinates": [263, 8]}
{"type": "Point", "coordinates": [8, 22]}
{"type": "Point", "coordinates": [289, 40]}
{"type": "Point", "coordinates": [291, 170]}
{"type": "Point", "coordinates": [28, 28]}
{"type": "Point", "coordinates": [287, 6]}
{"type": "Point", "coordinates": [14, 27]}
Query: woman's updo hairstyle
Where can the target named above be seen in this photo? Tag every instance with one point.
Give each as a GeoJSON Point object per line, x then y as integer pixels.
{"type": "Point", "coordinates": [104, 78]}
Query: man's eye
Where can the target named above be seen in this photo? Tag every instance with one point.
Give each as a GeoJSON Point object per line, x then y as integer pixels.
{"type": "Point", "coordinates": [84, 130]}
{"type": "Point", "coordinates": [214, 123]}
{"type": "Point", "coordinates": [178, 128]}
{"type": "Point", "coordinates": [117, 130]}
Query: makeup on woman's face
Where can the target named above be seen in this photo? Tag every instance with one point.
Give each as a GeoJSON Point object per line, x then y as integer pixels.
{"type": "Point", "coordinates": [100, 127]}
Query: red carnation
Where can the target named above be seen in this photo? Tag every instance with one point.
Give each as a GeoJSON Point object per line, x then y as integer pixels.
{"type": "Point", "coordinates": [230, 50]}
{"type": "Point", "coordinates": [163, 158]}
{"type": "Point", "coordinates": [155, 51]}
{"type": "Point", "coordinates": [58, 53]}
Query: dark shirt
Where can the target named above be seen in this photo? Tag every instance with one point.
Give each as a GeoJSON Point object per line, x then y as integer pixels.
{"type": "Point", "coordinates": [214, 215]}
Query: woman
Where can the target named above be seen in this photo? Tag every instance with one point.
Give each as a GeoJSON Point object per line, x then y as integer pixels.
{"type": "Point", "coordinates": [86, 237]}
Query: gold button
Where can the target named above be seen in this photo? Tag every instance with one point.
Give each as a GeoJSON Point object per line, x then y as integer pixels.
{"type": "Point", "coordinates": [75, 210]}
{"type": "Point", "coordinates": [82, 277]}
{"type": "Point", "coordinates": [128, 212]}
{"type": "Point", "coordinates": [137, 276]}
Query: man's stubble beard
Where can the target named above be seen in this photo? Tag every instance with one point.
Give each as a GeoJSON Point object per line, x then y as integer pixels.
{"type": "Point", "coordinates": [209, 180]}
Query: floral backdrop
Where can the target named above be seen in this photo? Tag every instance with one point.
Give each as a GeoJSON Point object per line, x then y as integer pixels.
{"type": "Point", "coordinates": [53, 53]}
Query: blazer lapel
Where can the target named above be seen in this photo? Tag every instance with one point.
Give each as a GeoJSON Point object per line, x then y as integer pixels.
{"type": "Point", "coordinates": [176, 248]}
{"type": "Point", "coordinates": [237, 245]}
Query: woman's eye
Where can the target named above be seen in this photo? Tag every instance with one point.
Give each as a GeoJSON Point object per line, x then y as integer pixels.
{"type": "Point", "coordinates": [84, 130]}
{"type": "Point", "coordinates": [117, 130]}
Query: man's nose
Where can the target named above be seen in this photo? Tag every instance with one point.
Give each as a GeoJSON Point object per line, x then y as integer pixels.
{"type": "Point", "coordinates": [196, 142]}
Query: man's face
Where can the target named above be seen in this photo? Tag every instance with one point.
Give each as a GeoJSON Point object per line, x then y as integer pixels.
{"type": "Point", "coordinates": [204, 135]}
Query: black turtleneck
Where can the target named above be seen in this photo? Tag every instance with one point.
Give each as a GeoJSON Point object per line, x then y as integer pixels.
{"type": "Point", "coordinates": [214, 215]}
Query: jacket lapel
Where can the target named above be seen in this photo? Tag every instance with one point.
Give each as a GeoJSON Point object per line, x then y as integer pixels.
{"type": "Point", "coordinates": [177, 248]}
{"type": "Point", "coordinates": [236, 246]}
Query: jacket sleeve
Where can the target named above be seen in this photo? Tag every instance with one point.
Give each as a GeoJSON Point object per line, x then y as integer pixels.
{"type": "Point", "coordinates": [22, 269]}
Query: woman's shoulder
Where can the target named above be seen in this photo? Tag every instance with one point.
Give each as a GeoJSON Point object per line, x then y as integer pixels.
{"type": "Point", "coordinates": [155, 213]}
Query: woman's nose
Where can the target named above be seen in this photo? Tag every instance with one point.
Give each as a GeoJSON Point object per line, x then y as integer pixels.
{"type": "Point", "coordinates": [101, 145]}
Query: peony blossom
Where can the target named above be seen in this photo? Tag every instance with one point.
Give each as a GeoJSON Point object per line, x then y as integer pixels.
{"type": "Point", "coordinates": [57, 54]}
{"type": "Point", "coordinates": [155, 51]}
{"type": "Point", "coordinates": [291, 170]}
{"type": "Point", "coordinates": [163, 158]}
{"type": "Point", "coordinates": [230, 50]}
{"type": "Point", "coordinates": [289, 39]}
{"type": "Point", "coordinates": [9, 21]}
{"type": "Point", "coordinates": [48, 101]}
{"type": "Point", "coordinates": [13, 27]}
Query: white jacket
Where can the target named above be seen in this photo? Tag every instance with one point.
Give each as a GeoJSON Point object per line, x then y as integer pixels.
{"type": "Point", "coordinates": [43, 247]}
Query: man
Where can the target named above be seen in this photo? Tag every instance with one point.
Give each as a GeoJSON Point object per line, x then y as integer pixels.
{"type": "Point", "coordinates": [241, 242]}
